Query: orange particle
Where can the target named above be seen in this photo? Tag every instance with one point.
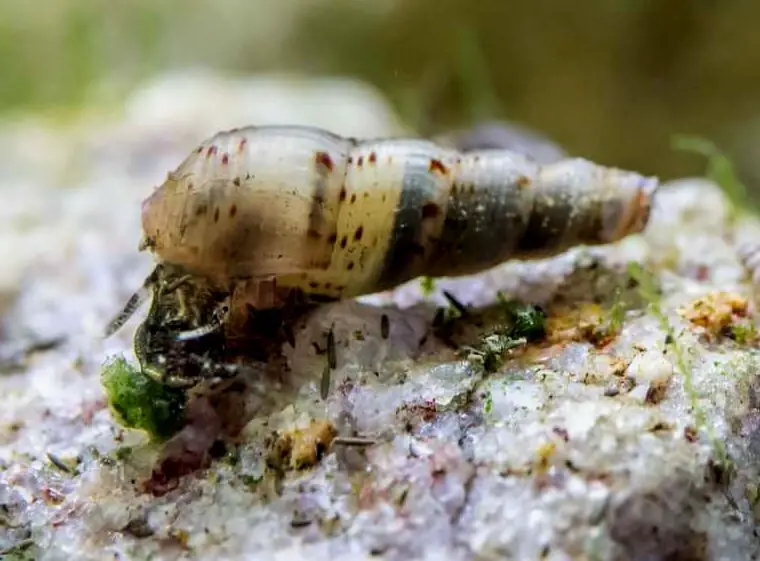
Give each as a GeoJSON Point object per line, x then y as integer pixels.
{"type": "Point", "coordinates": [437, 166]}
{"type": "Point", "coordinates": [716, 311]}
{"type": "Point", "coordinates": [523, 181]}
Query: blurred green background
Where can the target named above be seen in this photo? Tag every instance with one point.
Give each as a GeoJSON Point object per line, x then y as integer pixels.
{"type": "Point", "coordinates": [612, 80]}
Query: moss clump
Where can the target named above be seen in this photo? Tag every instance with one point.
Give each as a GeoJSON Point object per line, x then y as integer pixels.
{"type": "Point", "coordinates": [491, 349]}
{"type": "Point", "coordinates": [25, 550]}
{"type": "Point", "coordinates": [744, 332]}
{"type": "Point", "coordinates": [139, 402]}
{"type": "Point", "coordinates": [427, 285]}
{"type": "Point", "coordinates": [527, 321]}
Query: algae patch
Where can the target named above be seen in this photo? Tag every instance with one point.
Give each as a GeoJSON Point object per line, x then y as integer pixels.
{"type": "Point", "coordinates": [138, 402]}
{"type": "Point", "coordinates": [525, 323]}
{"type": "Point", "coordinates": [527, 320]}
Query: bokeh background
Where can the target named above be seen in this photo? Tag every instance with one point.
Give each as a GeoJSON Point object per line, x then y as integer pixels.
{"type": "Point", "coordinates": [612, 80]}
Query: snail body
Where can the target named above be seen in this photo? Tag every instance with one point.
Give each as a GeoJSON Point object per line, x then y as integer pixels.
{"type": "Point", "coordinates": [263, 213]}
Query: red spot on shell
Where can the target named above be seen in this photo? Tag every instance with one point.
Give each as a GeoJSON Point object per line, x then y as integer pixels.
{"type": "Point", "coordinates": [438, 167]}
{"type": "Point", "coordinates": [360, 161]}
{"type": "Point", "coordinates": [324, 159]}
{"type": "Point", "coordinates": [372, 158]}
{"type": "Point", "coordinates": [211, 151]}
{"type": "Point", "coordinates": [241, 145]}
{"type": "Point", "coordinates": [225, 159]}
{"type": "Point", "coordinates": [343, 194]}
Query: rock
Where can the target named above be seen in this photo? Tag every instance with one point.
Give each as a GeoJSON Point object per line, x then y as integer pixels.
{"type": "Point", "coordinates": [641, 444]}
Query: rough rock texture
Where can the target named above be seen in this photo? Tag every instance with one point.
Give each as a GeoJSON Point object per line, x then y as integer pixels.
{"type": "Point", "coordinates": [643, 448]}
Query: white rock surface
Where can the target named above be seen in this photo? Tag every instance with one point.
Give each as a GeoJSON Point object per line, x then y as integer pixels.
{"type": "Point", "coordinates": [536, 461]}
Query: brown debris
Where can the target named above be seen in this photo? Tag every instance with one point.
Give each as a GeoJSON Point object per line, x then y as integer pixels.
{"type": "Point", "coordinates": [411, 415]}
{"type": "Point", "coordinates": [585, 322]}
{"type": "Point", "coordinates": [717, 311]}
{"type": "Point", "coordinates": [655, 394]}
{"type": "Point", "coordinates": [301, 448]}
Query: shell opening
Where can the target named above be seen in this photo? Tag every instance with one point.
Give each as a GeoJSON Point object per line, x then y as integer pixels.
{"type": "Point", "coordinates": [632, 209]}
